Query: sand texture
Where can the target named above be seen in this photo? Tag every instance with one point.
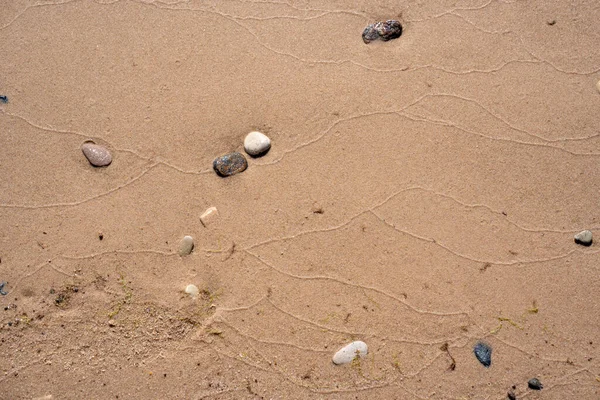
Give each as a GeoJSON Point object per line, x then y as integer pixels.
{"type": "Point", "coordinates": [420, 195]}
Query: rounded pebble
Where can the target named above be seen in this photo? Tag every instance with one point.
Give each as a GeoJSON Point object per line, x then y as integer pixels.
{"type": "Point", "coordinates": [483, 352]}
{"type": "Point", "coordinates": [186, 246]}
{"type": "Point", "coordinates": [349, 352]}
{"type": "Point", "coordinates": [584, 238]}
{"type": "Point", "coordinates": [598, 86]}
{"type": "Point", "coordinates": [257, 144]}
{"type": "Point", "coordinates": [97, 155]}
{"type": "Point", "coordinates": [388, 30]}
{"type": "Point", "coordinates": [192, 290]}
{"type": "Point", "coordinates": [511, 395]}
{"type": "Point", "coordinates": [535, 384]}
{"type": "Point", "coordinates": [230, 164]}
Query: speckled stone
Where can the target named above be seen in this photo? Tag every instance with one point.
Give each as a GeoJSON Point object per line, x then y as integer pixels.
{"type": "Point", "coordinates": [349, 352]}
{"type": "Point", "coordinates": [230, 164]}
{"type": "Point", "coordinates": [483, 352]}
{"type": "Point", "coordinates": [97, 155]}
{"type": "Point", "coordinates": [186, 246]}
{"type": "Point", "coordinates": [584, 238]}
{"type": "Point", "coordinates": [388, 30]}
{"type": "Point", "coordinates": [257, 144]}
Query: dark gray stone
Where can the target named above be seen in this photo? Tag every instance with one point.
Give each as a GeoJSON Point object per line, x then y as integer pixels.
{"type": "Point", "coordinates": [230, 164]}
{"type": "Point", "coordinates": [388, 30]}
{"type": "Point", "coordinates": [483, 352]}
{"type": "Point", "coordinates": [535, 384]}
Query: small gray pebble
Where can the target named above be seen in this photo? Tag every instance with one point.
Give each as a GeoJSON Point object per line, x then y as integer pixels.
{"type": "Point", "coordinates": [388, 30]}
{"type": "Point", "coordinates": [584, 238]}
{"type": "Point", "coordinates": [230, 164]}
{"type": "Point", "coordinates": [535, 384]}
{"type": "Point", "coordinates": [483, 352]}
{"type": "Point", "coordinates": [97, 155]}
{"type": "Point", "coordinates": [186, 246]}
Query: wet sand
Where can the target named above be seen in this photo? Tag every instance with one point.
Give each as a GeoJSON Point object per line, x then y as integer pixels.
{"type": "Point", "coordinates": [419, 195]}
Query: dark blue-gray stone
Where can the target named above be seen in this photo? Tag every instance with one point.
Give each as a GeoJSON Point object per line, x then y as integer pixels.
{"type": "Point", "coordinates": [483, 352]}
{"type": "Point", "coordinates": [535, 384]}
{"type": "Point", "coordinates": [230, 164]}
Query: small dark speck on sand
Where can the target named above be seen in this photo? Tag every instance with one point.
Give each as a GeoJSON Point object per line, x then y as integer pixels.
{"type": "Point", "coordinates": [3, 99]}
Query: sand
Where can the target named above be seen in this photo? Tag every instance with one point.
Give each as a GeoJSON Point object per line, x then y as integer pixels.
{"type": "Point", "coordinates": [420, 195]}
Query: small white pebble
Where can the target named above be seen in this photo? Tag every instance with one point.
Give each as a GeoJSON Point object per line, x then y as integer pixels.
{"type": "Point", "coordinates": [186, 246]}
{"type": "Point", "coordinates": [192, 290]}
{"type": "Point", "coordinates": [209, 216]}
{"type": "Point", "coordinates": [257, 144]}
{"type": "Point", "coordinates": [584, 238]}
{"type": "Point", "coordinates": [349, 352]}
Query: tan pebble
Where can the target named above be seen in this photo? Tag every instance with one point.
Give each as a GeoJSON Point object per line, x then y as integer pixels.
{"type": "Point", "coordinates": [209, 216]}
{"type": "Point", "coordinates": [598, 86]}
{"type": "Point", "coordinates": [97, 155]}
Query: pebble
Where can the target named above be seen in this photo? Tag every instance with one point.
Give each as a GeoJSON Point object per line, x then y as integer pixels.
{"type": "Point", "coordinates": [257, 144]}
{"type": "Point", "coordinates": [535, 384]}
{"type": "Point", "coordinates": [349, 352]}
{"type": "Point", "coordinates": [511, 395]}
{"type": "Point", "coordinates": [209, 216]}
{"type": "Point", "coordinates": [483, 352]}
{"type": "Point", "coordinates": [598, 86]}
{"type": "Point", "coordinates": [385, 31]}
{"type": "Point", "coordinates": [230, 164]}
{"type": "Point", "coordinates": [97, 155]}
{"type": "Point", "coordinates": [584, 238]}
{"type": "Point", "coordinates": [192, 290]}
{"type": "Point", "coordinates": [186, 246]}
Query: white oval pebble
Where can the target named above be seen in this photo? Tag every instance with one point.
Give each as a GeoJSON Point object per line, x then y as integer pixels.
{"type": "Point", "coordinates": [97, 155]}
{"type": "Point", "coordinates": [186, 246]}
{"type": "Point", "coordinates": [192, 290]}
{"type": "Point", "coordinates": [209, 216]}
{"type": "Point", "coordinates": [584, 238]}
{"type": "Point", "coordinates": [349, 352]}
{"type": "Point", "coordinates": [257, 144]}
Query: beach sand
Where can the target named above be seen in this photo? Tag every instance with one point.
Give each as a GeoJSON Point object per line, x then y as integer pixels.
{"type": "Point", "coordinates": [420, 195]}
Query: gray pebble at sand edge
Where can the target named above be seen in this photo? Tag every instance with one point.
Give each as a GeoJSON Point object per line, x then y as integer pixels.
{"type": "Point", "coordinates": [97, 155]}
{"type": "Point", "coordinates": [186, 246]}
{"type": "Point", "coordinates": [584, 238]}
